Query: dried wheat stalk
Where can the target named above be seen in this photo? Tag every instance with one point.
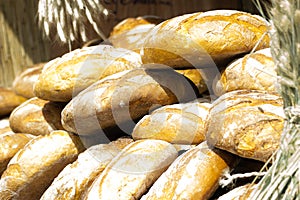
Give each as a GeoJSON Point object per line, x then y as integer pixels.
{"type": "Point", "coordinates": [283, 178]}
{"type": "Point", "coordinates": [70, 17]}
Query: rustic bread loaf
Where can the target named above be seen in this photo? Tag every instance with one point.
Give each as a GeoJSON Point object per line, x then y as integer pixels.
{"type": "Point", "coordinates": [178, 123]}
{"type": "Point", "coordinates": [239, 193]}
{"type": "Point", "coordinates": [254, 71]}
{"type": "Point", "coordinates": [4, 126]}
{"type": "Point", "coordinates": [64, 77]}
{"type": "Point", "coordinates": [36, 116]}
{"type": "Point", "coordinates": [193, 175]}
{"type": "Point", "coordinates": [122, 97]}
{"type": "Point", "coordinates": [23, 83]}
{"type": "Point", "coordinates": [246, 123]}
{"type": "Point", "coordinates": [133, 171]}
{"type": "Point", "coordinates": [200, 39]}
{"type": "Point", "coordinates": [9, 101]}
{"type": "Point", "coordinates": [130, 23]}
{"type": "Point", "coordinates": [31, 171]}
{"type": "Point", "coordinates": [196, 76]}
{"type": "Point", "coordinates": [10, 144]}
{"type": "Point", "coordinates": [130, 33]}
{"type": "Point", "coordinates": [74, 179]}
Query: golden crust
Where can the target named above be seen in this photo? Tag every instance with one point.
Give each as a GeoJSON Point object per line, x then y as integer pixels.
{"type": "Point", "coordinates": [37, 117]}
{"type": "Point", "coordinates": [204, 38]}
{"type": "Point", "coordinates": [193, 175]}
{"type": "Point", "coordinates": [178, 123]}
{"type": "Point", "coordinates": [64, 77]}
{"type": "Point", "coordinates": [23, 83]}
{"type": "Point", "coordinates": [133, 170]}
{"type": "Point", "coordinates": [122, 97]}
{"type": "Point", "coordinates": [246, 123]}
{"type": "Point", "coordinates": [10, 144]}
{"type": "Point", "coordinates": [76, 178]}
{"type": "Point", "coordinates": [254, 71]}
{"type": "Point", "coordinates": [130, 23]}
{"type": "Point", "coordinates": [31, 171]}
{"type": "Point", "coordinates": [9, 101]}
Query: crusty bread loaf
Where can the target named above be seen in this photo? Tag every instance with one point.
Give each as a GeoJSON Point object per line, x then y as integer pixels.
{"type": "Point", "coordinates": [74, 179]}
{"type": "Point", "coordinates": [177, 123]}
{"type": "Point", "coordinates": [130, 33]}
{"type": "Point", "coordinates": [254, 71]}
{"type": "Point", "coordinates": [9, 101]}
{"type": "Point", "coordinates": [37, 117]}
{"type": "Point", "coordinates": [122, 97]}
{"type": "Point", "coordinates": [133, 170]}
{"type": "Point", "coordinates": [239, 193]}
{"type": "Point", "coordinates": [195, 39]}
{"type": "Point", "coordinates": [4, 126]}
{"type": "Point", "coordinates": [10, 144]}
{"type": "Point", "coordinates": [193, 175]}
{"type": "Point", "coordinates": [196, 76]}
{"type": "Point", "coordinates": [130, 23]}
{"type": "Point", "coordinates": [30, 172]}
{"type": "Point", "coordinates": [246, 123]}
{"type": "Point", "coordinates": [64, 77]}
{"type": "Point", "coordinates": [23, 83]}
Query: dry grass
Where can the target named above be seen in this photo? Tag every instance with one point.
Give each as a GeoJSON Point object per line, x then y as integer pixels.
{"type": "Point", "coordinates": [283, 179]}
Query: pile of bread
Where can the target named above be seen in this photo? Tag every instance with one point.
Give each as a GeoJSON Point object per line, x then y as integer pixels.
{"type": "Point", "coordinates": [165, 112]}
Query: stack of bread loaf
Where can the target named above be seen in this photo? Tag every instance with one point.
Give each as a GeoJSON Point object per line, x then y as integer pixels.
{"type": "Point", "coordinates": [167, 111]}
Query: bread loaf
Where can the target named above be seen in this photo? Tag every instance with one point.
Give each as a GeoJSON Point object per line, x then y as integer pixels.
{"type": "Point", "coordinates": [31, 171]}
{"type": "Point", "coordinates": [246, 123]}
{"type": "Point", "coordinates": [37, 117]}
{"type": "Point", "coordinates": [131, 23]}
{"type": "Point", "coordinates": [239, 193]}
{"type": "Point", "coordinates": [254, 71]}
{"type": "Point", "coordinates": [193, 175]}
{"type": "Point", "coordinates": [9, 101]}
{"type": "Point", "coordinates": [206, 38]}
{"type": "Point", "coordinates": [10, 144]}
{"type": "Point", "coordinates": [178, 123]}
{"type": "Point", "coordinates": [133, 170]}
{"type": "Point", "coordinates": [64, 77]}
{"type": "Point", "coordinates": [123, 97]}
{"type": "Point", "coordinates": [130, 33]}
{"type": "Point", "coordinates": [196, 76]}
{"type": "Point", "coordinates": [74, 179]}
{"type": "Point", "coordinates": [4, 126]}
{"type": "Point", "coordinates": [23, 83]}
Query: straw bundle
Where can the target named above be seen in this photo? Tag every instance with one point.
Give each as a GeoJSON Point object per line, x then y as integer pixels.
{"type": "Point", "coordinates": [283, 179]}
{"type": "Point", "coordinates": [70, 18]}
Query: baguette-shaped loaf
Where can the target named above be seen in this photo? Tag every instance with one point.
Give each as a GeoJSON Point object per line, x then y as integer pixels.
{"type": "Point", "coordinates": [23, 83]}
{"type": "Point", "coordinates": [194, 175]}
{"type": "Point", "coordinates": [74, 179]}
{"type": "Point", "coordinates": [239, 193]}
{"type": "Point", "coordinates": [199, 39]}
{"type": "Point", "coordinates": [31, 171]}
{"type": "Point", "coordinates": [133, 171]}
{"type": "Point", "coordinates": [9, 100]}
{"type": "Point", "coordinates": [36, 116]}
{"type": "Point", "coordinates": [246, 123]}
{"type": "Point", "coordinates": [4, 126]}
{"type": "Point", "coordinates": [177, 123]}
{"type": "Point", "coordinates": [254, 71]}
{"type": "Point", "coordinates": [130, 33]}
{"type": "Point", "coordinates": [10, 144]}
{"type": "Point", "coordinates": [64, 77]}
{"type": "Point", "coordinates": [122, 97]}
